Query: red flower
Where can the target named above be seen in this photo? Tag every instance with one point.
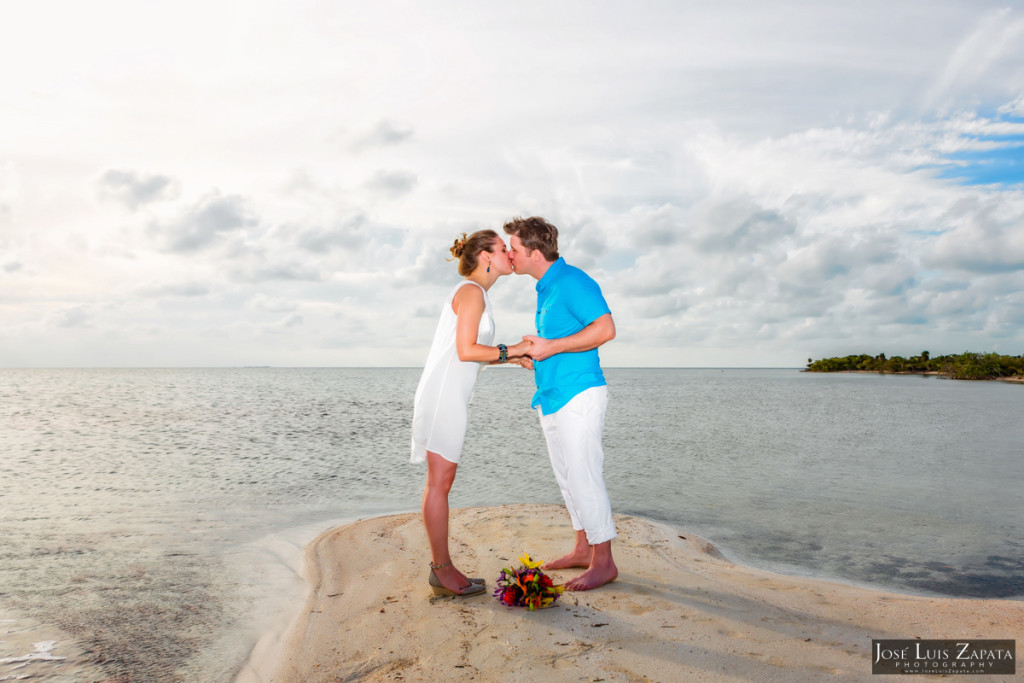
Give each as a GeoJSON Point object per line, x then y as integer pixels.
{"type": "Point", "coordinates": [526, 586]}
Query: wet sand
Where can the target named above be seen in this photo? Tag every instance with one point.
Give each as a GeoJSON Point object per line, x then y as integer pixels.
{"type": "Point", "coordinates": [678, 611]}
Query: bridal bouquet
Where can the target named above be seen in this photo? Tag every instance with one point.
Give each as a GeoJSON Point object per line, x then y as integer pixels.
{"type": "Point", "coordinates": [527, 586]}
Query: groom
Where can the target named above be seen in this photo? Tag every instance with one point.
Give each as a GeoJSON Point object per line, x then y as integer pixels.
{"type": "Point", "coordinates": [572, 321]}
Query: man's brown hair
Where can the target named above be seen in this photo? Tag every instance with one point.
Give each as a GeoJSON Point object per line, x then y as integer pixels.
{"type": "Point", "coordinates": [535, 233]}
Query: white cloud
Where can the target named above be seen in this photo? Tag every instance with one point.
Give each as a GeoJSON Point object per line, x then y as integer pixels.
{"type": "Point", "coordinates": [350, 234]}
{"type": "Point", "coordinates": [391, 183]}
{"type": "Point", "coordinates": [280, 326]}
{"type": "Point", "coordinates": [264, 302]}
{"type": "Point", "coordinates": [77, 316]}
{"type": "Point", "coordinates": [998, 35]}
{"type": "Point", "coordinates": [744, 196]}
{"type": "Point", "coordinates": [983, 237]}
{"type": "Point", "coordinates": [203, 224]}
{"type": "Point", "coordinates": [174, 289]}
{"type": "Point", "coordinates": [1015, 107]}
{"type": "Point", "coordinates": [133, 189]}
{"type": "Point", "coordinates": [385, 133]}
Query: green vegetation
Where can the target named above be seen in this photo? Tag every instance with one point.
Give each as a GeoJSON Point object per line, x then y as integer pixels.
{"type": "Point", "coordinates": [963, 366]}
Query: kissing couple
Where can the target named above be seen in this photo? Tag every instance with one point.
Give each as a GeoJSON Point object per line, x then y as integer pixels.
{"type": "Point", "coordinates": [573, 320]}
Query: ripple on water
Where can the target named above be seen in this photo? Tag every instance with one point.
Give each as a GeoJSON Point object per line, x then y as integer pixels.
{"type": "Point", "coordinates": [29, 651]}
{"type": "Point", "coordinates": [129, 495]}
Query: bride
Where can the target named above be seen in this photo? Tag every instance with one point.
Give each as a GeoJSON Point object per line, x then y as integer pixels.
{"type": "Point", "coordinates": [461, 347]}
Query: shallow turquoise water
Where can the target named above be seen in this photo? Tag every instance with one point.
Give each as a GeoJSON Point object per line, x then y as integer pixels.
{"type": "Point", "coordinates": [152, 515]}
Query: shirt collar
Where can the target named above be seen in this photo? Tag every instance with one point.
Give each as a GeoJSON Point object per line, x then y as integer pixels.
{"type": "Point", "coordinates": [554, 270]}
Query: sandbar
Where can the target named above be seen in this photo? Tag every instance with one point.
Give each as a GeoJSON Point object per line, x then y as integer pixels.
{"type": "Point", "coordinates": [678, 611]}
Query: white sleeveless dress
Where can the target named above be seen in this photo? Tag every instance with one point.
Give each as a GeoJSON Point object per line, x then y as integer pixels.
{"type": "Point", "coordinates": [440, 409]}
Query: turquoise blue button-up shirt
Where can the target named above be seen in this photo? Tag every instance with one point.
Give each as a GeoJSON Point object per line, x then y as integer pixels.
{"type": "Point", "coordinates": [567, 301]}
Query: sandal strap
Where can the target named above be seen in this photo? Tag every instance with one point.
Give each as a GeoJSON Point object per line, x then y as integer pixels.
{"type": "Point", "coordinates": [440, 566]}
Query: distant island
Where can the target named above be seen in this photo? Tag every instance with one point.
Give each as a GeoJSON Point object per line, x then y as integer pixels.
{"type": "Point", "coordinates": [966, 365]}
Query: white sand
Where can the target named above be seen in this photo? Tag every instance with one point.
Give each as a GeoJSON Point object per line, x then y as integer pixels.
{"type": "Point", "coordinates": [678, 611]}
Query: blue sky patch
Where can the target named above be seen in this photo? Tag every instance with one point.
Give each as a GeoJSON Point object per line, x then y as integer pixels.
{"type": "Point", "coordinates": [1003, 165]}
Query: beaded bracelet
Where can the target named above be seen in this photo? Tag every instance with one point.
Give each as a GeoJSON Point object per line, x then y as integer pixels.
{"type": "Point", "coordinates": [502, 353]}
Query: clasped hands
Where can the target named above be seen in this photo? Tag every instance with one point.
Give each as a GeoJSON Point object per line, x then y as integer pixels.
{"type": "Point", "coordinates": [540, 348]}
{"type": "Point", "coordinates": [532, 348]}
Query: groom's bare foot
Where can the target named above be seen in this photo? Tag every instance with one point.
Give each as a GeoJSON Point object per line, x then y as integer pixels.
{"type": "Point", "coordinates": [592, 578]}
{"type": "Point", "coordinates": [574, 559]}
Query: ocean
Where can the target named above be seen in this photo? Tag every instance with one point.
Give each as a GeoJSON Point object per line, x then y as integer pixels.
{"type": "Point", "coordinates": [153, 520]}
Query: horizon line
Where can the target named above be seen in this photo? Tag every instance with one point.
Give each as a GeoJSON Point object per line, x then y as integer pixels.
{"type": "Point", "coordinates": [371, 367]}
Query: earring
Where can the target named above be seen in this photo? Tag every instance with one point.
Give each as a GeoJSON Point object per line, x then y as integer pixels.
{"type": "Point", "coordinates": [488, 267]}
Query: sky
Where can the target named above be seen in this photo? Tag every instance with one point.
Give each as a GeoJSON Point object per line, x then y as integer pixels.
{"type": "Point", "coordinates": [752, 184]}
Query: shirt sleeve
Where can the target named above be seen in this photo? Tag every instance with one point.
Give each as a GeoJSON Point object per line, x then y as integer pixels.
{"type": "Point", "coordinates": [588, 305]}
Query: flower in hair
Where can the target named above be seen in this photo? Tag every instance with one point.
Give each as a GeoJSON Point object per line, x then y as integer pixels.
{"type": "Point", "coordinates": [526, 586]}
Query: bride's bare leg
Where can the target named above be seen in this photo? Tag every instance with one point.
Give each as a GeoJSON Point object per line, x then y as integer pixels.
{"type": "Point", "coordinates": [440, 476]}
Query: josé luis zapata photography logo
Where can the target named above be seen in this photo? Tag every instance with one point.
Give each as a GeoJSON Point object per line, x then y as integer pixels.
{"type": "Point", "coordinates": [943, 656]}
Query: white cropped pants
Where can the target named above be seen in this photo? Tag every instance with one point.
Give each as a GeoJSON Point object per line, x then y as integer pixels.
{"type": "Point", "coordinates": [573, 435]}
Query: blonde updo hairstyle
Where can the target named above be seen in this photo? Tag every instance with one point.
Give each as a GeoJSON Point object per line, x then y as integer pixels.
{"type": "Point", "coordinates": [467, 249]}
